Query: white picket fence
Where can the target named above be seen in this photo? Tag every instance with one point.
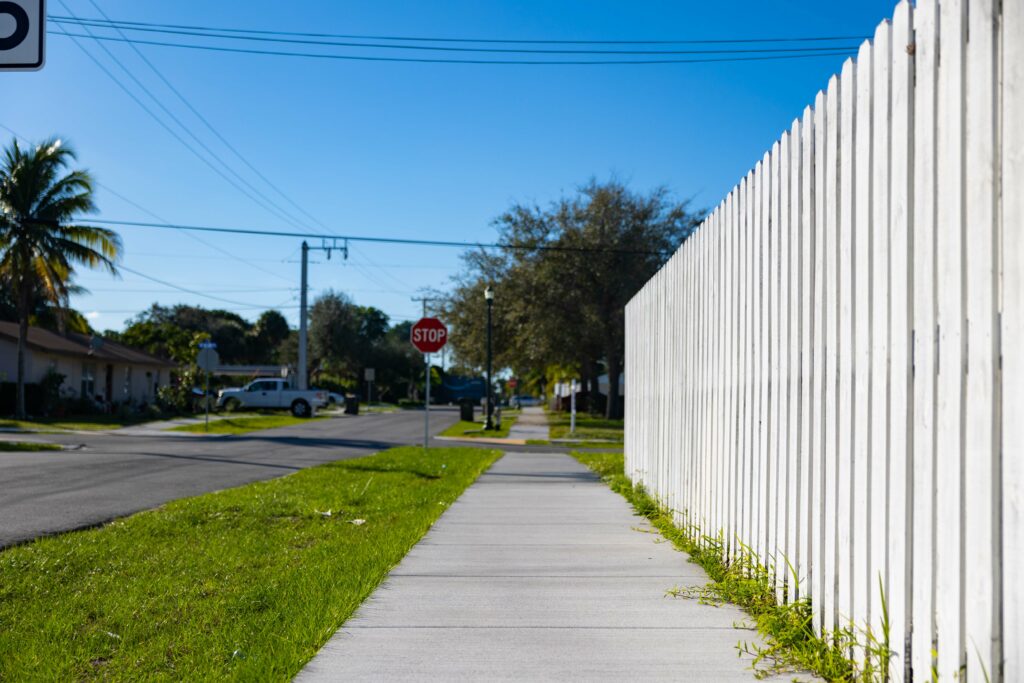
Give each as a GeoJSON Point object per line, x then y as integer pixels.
{"type": "Point", "coordinates": [831, 370]}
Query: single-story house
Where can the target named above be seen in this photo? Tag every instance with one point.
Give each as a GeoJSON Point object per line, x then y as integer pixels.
{"type": "Point", "coordinates": [93, 367]}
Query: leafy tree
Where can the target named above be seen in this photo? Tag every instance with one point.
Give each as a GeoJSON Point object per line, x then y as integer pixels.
{"type": "Point", "coordinates": [398, 365]}
{"type": "Point", "coordinates": [563, 280]}
{"type": "Point", "coordinates": [45, 314]}
{"type": "Point", "coordinates": [40, 243]}
{"type": "Point", "coordinates": [157, 336]}
{"type": "Point", "coordinates": [332, 328]}
{"type": "Point", "coordinates": [344, 338]}
{"type": "Point", "coordinates": [266, 336]}
{"type": "Point", "coordinates": [168, 330]}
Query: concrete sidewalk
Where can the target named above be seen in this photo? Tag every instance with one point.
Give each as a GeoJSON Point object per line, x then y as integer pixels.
{"type": "Point", "coordinates": [538, 572]}
{"type": "Point", "coordinates": [532, 424]}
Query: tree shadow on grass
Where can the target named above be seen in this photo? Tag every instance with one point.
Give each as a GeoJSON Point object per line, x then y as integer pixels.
{"type": "Point", "coordinates": [387, 470]}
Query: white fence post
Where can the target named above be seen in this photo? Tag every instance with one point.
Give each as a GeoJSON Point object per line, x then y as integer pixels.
{"type": "Point", "coordinates": [1012, 300]}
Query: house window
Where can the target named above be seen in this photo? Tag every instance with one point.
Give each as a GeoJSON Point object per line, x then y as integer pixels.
{"type": "Point", "coordinates": [88, 380]}
{"type": "Point", "coordinates": [128, 382]}
{"type": "Point", "coordinates": [156, 383]}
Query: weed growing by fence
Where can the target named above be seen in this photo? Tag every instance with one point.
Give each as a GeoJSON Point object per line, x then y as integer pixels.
{"type": "Point", "coordinates": [792, 643]}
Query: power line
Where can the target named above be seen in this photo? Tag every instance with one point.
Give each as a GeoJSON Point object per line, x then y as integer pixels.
{"type": "Point", "coordinates": [247, 309]}
{"type": "Point", "coordinates": [209, 125]}
{"type": "Point", "coordinates": [369, 262]}
{"type": "Point", "coordinates": [254, 195]}
{"type": "Point", "coordinates": [211, 245]}
{"type": "Point", "coordinates": [135, 290]}
{"type": "Point", "coordinates": [212, 33]}
{"type": "Point", "coordinates": [376, 240]}
{"type": "Point", "coordinates": [672, 41]}
{"type": "Point", "coordinates": [143, 209]}
{"type": "Point", "coordinates": [825, 52]}
{"type": "Point", "coordinates": [183, 289]}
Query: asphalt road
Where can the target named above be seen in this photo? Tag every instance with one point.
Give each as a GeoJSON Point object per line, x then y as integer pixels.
{"type": "Point", "coordinates": [113, 475]}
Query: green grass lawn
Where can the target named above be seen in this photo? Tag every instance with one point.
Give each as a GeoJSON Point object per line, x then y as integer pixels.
{"type": "Point", "coordinates": [246, 583]}
{"type": "Point", "coordinates": [10, 446]}
{"type": "Point", "coordinates": [588, 428]}
{"type": "Point", "coordinates": [476, 429]}
{"type": "Point", "coordinates": [80, 423]}
{"type": "Point", "coordinates": [244, 424]}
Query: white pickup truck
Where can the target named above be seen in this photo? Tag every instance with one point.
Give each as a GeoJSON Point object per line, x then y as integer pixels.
{"type": "Point", "coordinates": [275, 394]}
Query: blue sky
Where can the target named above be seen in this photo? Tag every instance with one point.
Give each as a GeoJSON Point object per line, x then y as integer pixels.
{"type": "Point", "coordinates": [402, 150]}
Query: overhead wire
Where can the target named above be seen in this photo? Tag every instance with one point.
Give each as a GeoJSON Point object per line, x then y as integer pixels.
{"type": "Point", "coordinates": [378, 240]}
{"type": "Point", "coordinates": [212, 33]}
{"type": "Point", "coordinates": [184, 100]}
{"type": "Point", "coordinates": [369, 262]}
{"type": "Point", "coordinates": [197, 238]}
{"type": "Point", "coordinates": [435, 39]}
{"type": "Point", "coordinates": [825, 52]}
{"type": "Point", "coordinates": [194, 292]}
{"type": "Point", "coordinates": [252, 193]}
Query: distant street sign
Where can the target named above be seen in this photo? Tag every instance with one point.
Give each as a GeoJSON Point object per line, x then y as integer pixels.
{"type": "Point", "coordinates": [429, 335]}
{"type": "Point", "coordinates": [208, 345]}
{"type": "Point", "coordinates": [22, 35]}
{"type": "Point", "coordinates": [369, 374]}
{"type": "Point", "coordinates": [208, 360]}
{"type": "Point", "coordinates": [513, 383]}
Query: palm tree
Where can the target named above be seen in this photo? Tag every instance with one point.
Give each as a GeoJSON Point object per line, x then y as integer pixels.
{"type": "Point", "coordinates": [40, 244]}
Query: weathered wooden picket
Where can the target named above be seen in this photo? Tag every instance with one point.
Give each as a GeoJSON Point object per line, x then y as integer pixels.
{"type": "Point", "coordinates": [831, 370]}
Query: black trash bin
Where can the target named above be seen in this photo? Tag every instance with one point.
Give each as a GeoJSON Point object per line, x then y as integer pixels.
{"type": "Point", "coordinates": [351, 405]}
{"type": "Point", "coordinates": [466, 410]}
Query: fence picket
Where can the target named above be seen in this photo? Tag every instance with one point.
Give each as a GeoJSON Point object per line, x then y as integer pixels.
{"type": "Point", "coordinates": [862, 584]}
{"type": "Point", "coordinates": [829, 370]}
{"type": "Point", "coordinates": [844, 351]}
{"type": "Point", "coordinates": [816, 576]}
{"type": "Point", "coordinates": [981, 501]}
{"type": "Point", "coordinates": [924, 359]}
{"type": "Point", "coordinates": [1012, 339]}
{"type": "Point", "coordinates": [878, 462]}
{"type": "Point", "coordinates": [901, 291]}
{"type": "Point", "coordinates": [949, 247]}
{"type": "Point", "coordinates": [793, 388]}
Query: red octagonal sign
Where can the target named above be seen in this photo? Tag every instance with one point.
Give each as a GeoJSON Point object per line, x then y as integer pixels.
{"type": "Point", "coordinates": [429, 335]}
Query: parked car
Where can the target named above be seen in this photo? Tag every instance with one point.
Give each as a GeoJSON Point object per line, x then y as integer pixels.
{"type": "Point", "coordinates": [275, 394]}
{"type": "Point", "coordinates": [525, 401]}
{"type": "Point", "coordinates": [335, 400]}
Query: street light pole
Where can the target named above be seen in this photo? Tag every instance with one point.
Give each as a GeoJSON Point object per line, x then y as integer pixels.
{"type": "Point", "coordinates": [489, 296]}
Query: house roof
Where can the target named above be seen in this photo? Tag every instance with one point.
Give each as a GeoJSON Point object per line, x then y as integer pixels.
{"type": "Point", "coordinates": [81, 346]}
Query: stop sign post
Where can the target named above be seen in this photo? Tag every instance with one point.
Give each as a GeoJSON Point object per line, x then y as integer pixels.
{"type": "Point", "coordinates": [207, 360]}
{"type": "Point", "coordinates": [428, 335]}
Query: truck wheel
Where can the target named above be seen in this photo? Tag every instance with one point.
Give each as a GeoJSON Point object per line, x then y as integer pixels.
{"type": "Point", "coordinates": [231, 405]}
{"type": "Point", "coordinates": [300, 409]}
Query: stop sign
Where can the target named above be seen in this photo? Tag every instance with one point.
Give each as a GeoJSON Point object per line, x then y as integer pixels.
{"type": "Point", "coordinates": [428, 335]}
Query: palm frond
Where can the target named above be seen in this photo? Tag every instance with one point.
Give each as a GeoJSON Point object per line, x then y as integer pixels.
{"type": "Point", "coordinates": [40, 242]}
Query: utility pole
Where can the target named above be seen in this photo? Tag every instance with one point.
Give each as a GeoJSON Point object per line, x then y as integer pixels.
{"type": "Point", "coordinates": [328, 245]}
{"type": "Point", "coordinates": [303, 377]}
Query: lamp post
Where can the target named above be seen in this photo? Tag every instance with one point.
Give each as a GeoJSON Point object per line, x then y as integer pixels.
{"type": "Point", "coordinates": [489, 296]}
